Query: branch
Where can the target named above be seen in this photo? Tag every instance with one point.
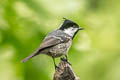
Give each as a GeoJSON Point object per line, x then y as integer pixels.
{"type": "Point", "coordinates": [64, 72]}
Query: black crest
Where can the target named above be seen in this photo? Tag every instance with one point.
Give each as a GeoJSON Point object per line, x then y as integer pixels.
{"type": "Point", "coordinates": [68, 23]}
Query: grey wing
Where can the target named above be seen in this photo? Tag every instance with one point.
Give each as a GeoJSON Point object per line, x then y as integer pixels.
{"type": "Point", "coordinates": [48, 42]}
{"type": "Point", "coordinates": [53, 40]}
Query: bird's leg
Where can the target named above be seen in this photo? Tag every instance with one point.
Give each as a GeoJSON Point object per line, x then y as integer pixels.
{"type": "Point", "coordinates": [67, 60]}
{"type": "Point", "coordinates": [54, 63]}
{"type": "Point", "coordinates": [66, 57]}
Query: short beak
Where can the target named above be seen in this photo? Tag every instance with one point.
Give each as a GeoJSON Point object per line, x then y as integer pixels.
{"type": "Point", "coordinates": [81, 28]}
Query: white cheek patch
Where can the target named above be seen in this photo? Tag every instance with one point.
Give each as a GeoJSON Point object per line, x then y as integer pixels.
{"type": "Point", "coordinates": [70, 31]}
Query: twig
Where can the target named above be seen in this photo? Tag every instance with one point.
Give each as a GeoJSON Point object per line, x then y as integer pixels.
{"type": "Point", "coordinates": [64, 72]}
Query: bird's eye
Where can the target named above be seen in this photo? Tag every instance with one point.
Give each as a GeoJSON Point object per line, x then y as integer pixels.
{"type": "Point", "coordinates": [73, 25]}
{"type": "Point", "coordinates": [72, 29]}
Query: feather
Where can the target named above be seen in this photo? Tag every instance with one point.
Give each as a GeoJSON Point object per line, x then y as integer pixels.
{"type": "Point", "coordinates": [47, 42]}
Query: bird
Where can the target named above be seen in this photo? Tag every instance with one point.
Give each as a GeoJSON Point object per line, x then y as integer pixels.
{"type": "Point", "coordinates": [58, 42]}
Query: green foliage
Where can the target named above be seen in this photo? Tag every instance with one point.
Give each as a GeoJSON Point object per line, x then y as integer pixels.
{"type": "Point", "coordinates": [95, 53]}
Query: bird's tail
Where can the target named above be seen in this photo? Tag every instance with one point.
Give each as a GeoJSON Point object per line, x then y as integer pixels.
{"type": "Point", "coordinates": [29, 57]}
{"type": "Point", "coordinates": [26, 59]}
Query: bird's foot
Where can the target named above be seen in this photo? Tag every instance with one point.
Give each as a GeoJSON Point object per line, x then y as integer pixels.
{"type": "Point", "coordinates": [63, 59]}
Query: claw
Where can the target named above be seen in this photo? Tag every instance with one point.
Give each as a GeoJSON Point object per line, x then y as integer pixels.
{"type": "Point", "coordinates": [63, 59]}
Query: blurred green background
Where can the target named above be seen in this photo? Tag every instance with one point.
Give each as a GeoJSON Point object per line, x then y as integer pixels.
{"type": "Point", "coordinates": [94, 55]}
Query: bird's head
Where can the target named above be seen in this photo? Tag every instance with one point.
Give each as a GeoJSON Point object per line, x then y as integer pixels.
{"type": "Point", "coordinates": [70, 27]}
